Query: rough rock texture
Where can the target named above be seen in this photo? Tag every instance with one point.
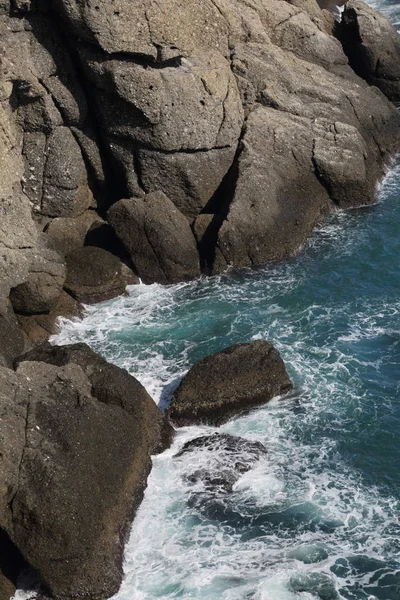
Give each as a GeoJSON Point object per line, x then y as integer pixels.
{"type": "Point", "coordinates": [372, 45]}
{"type": "Point", "coordinates": [228, 382]}
{"type": "Point", "coordinates": [11, 338]}
{"type": "Point", "coordinates": [232, 127]}
{"type": "Point", "coordinates": [66, 234]}
{"type": "Point", "coordinates": [158, 238]}
{"type": "Point", "coordinates": [41, 291]}
{"type": "Point", "coordinates": [95, 275]}
{"type": "Point", "coordinates": [82, 433]}
{"type": "Point", "coordinates": [206, 103]}
{"type": "Point", "coordinates": [219, 460]}
{"type": "Point", "coordinates": [38, 328]}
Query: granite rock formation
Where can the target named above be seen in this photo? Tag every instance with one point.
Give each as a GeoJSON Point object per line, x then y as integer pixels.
{"type": "Point", "coordinates": [160, 141]}
{"type": "Point", "coordinates": [76, 438]}
{"type": "Point", "coordinates": [230, 127]}
{"type": "Point", "coordinates": [229, 382]}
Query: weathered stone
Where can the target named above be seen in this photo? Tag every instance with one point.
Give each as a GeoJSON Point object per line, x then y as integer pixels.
{"type": "Point", "coordinates": [158, 238]}
{"type": "Point", "coordinates": [147, 28]}
{"type": "Point", "coordinates": [11, 338]}
{"type": "Point", "coordinates": [373, 47]}
{"type": "Point", "coordinates": [278, 199]}
{"type": "Point", "coordinates": [39, 327]}
{"type": "Point", "coordinates": [167, 128]}
{"type": "Point", "coordinates": [43, 286]}
{"type": "Point", "coordinates": [65, 187]}
{"type": "Point", "coordinates": [293, 29]}
{"type": "Point", "coordinates": [228, 382]}
{"type": "Point", "coordinates": [63, 420]}
{"type": "Point", "coordinates": [66, 234]}
{"type": "Point", "coordinates": [189, 179]}
{"type": "Point", "coordinates": [95, 275]}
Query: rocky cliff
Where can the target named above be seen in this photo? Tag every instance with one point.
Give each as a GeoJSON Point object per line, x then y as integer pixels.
{"type": "Point", "coordinates": [181, 137]}
{"type": "Point", "coordinates": [155, 140]}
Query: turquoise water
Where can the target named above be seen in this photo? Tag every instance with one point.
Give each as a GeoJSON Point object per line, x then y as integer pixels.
{"type": "Point", "coordinates": [319, 517]}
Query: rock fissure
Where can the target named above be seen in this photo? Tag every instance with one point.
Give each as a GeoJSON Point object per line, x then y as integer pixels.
{"type": "Point", "coordinates": [25, 446]}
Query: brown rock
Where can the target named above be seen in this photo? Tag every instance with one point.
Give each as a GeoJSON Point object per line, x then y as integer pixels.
{"type": "Point", "coordinates": [84, 432]}
{"type": "Point", "coordinates": [227, 383]}
{"type": "Point", "coordinates": [95, 275]}
{"type": "Point", "coordinates": [158, 238]}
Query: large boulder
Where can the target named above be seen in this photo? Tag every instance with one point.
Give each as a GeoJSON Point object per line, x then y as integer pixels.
{"type": "Point", "coordinates": [95, 275]}
{"type": "Point", "coordinates": [308, 144]}
{"type": "Point", "coordinates": [227, 383]}
{"type": "Point", "coordinates": [82, 433]}
{"type": "Point", "coordinates": [158, 238]}
{"type": "Point", "coordinates": [281, 195]}
{"type": "Point", "coordinates": [146, 28]}
{"type": "Point", "coordinates": [166, 126]}
{"type": "Point", "coordinates": [373, 47]}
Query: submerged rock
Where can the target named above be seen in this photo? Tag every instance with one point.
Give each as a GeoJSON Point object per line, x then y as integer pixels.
{"type": "Point", "coordinates": [229, 382]}
{"type": "Point", "coordinates": [220, 459]}
{"type": "Point", "coordinates": [76, 438]}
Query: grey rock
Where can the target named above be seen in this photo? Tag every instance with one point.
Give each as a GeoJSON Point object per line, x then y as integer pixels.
{"type": "Point", "coordinates": [147, 28]}
{"type": "Point", "coordinates": [227, 383]}
{"type": "Point", "coordinates": [166, 127]}
{"type": "Point", "coordinates": [66, 234]}
{"type": "Point", "coordinates": [219, 460]}
{"type": "Point", "coordinates": [42, 288]}
{"type": "Point", "coordinates": [65, 187]}
{"type": "Point", "coordinates": [373, 47]}
{"type": "Point", "coordinates": [278, 198]}
{"type": "Point", "coordinates": [158, 238]}
{"type": "Point", "coordinates": [189, 179]}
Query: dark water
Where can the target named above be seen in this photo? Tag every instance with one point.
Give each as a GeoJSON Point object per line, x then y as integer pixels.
{"type": "Point", "coordinates": [319, 518]}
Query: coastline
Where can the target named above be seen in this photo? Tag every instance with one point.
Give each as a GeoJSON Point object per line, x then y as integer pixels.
{"type": "Point", "coordinates": [102, 187]}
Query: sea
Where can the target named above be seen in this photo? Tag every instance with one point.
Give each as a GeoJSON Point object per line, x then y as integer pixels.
{"type": "Point", "coordinates": [318, 518]}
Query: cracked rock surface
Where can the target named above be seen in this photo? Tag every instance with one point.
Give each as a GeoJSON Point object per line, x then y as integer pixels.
{"type": "Point", "coordinates": [102, 101]}
{"type": "Point", "coordinates": [158, 140]}
{"type": "Point", "coordinates": [82, 433]}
